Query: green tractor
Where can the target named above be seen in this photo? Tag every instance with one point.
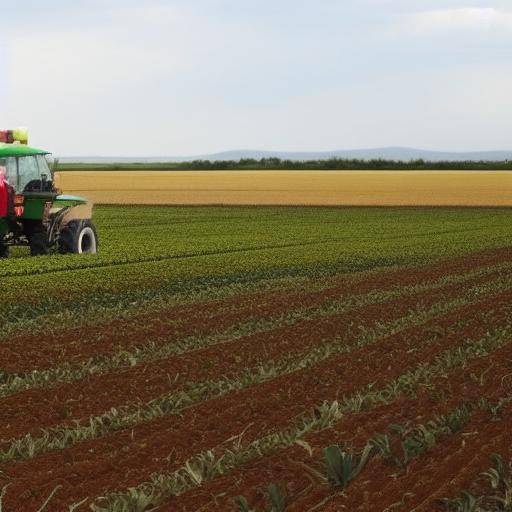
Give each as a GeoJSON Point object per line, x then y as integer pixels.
{"type": "Point", "coordinates": [33, 212]}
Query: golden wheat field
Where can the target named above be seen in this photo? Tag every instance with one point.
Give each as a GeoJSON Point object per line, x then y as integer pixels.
{"type": "Point", "coordinates": [429, 188]}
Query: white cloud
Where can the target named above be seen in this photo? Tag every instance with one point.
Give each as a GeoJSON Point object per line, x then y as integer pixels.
{"type": "Point", "coordinates": [465, 19]}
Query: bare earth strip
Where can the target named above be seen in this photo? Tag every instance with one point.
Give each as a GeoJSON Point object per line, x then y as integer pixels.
{"type": "Point", "coordinates": [229, 416]}
{"type": "Point", "coordinates": [369, 188]}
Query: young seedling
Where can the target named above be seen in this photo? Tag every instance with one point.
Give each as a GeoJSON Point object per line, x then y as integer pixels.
{"type": "Point", "coordinates": [242, 504]}
{"type": "Point", "coordinates": [342, 467]}
{"type": "Point", "coordinates": [465, 503]}
{"type": "Point", "coordinates": [500, 478]}
{"type": "Point", "coordinates": [276, 498]}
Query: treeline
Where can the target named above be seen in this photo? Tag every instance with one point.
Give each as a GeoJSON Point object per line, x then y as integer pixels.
{"type": "Point", "coordinates": [341, 164]}
{"type": "Point", "coordinates": [279, 164]}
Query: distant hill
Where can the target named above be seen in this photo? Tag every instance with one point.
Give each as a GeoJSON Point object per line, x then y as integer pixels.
{"type": "Point", "coordinates": [390, 153]}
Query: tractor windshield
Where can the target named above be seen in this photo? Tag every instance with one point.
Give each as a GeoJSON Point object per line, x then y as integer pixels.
{"type": "Point", "coordinates": [25, 170]}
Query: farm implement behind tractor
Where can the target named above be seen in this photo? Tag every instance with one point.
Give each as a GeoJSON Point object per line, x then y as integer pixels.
{"type": "Point", "coordinates": [32, 211]}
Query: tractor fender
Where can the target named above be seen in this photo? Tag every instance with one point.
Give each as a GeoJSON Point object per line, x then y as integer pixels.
{"type": "Point", "coordinates": [79, 212]}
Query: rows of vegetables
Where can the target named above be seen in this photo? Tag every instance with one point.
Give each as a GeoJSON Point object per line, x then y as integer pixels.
{"type": "Point", "coordinates": [264, 359]}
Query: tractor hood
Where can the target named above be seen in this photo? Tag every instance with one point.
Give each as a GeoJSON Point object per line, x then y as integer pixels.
{"type": "Point", "coordinates": [67, 200]}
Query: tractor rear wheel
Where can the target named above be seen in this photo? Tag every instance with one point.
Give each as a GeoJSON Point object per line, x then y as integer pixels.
{"type": "Point", "coordinates": [79, 237]}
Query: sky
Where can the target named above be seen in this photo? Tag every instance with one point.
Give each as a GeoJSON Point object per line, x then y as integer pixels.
{"type": "Point", "coordinates": [187, 77]}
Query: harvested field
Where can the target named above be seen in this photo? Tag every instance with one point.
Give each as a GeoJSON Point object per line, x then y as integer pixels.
{"type": "Point", "coordinates": [383, 188]}
{"type": "Point", "coordinates": [212, 358]}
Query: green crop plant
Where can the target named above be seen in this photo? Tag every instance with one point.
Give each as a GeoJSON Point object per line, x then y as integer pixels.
{"type": "Point", "coordinates": [500, 478]}
{"type": "Point", "coordinates": [496, 408]}
{"type": "Point", "coordinates": [343, 466]}
{"type": "Point", "coordinates": [466, 502]}
{"type": "Point", "coordinates": [277, 498]}
{"type": "Point", "coordinates": [413, 442]}
{"type": "Point", "coordinates": [497, 499]}
{"type": "Point", "coordinates": [242, 504]}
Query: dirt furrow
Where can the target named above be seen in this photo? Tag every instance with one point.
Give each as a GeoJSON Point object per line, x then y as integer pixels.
{"type": "Point", "coordinates": [93, 467]}
{"type": "Point", "coordinates": [290, 467]}
{"type": "Point", "coordinates": [431, 476]}
{"type": "Point", "coordinates": [94, 395]}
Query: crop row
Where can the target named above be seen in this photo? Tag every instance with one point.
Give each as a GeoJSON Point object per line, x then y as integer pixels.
{"type": "Point", "coordinates": [186, 422]}
{"type": "Point", "coordinates": [49, 315]}
{"type": "Point", "coordinates": [209, 464]}
{"type": "Point", "coordinates": [310, 351]}
{"type": "Point", "coordinates": [403, 344]}
{"type": "Point", "coordinates": [486, 375]}
{"type": "Point", "coordinates": [173, 403]}
{"type": "Point", "coordinates": [162, 345]}
{"type": "Point", "coordinates": [495, 495]}
{"type": "Point", "coordinates": [240, 245]}
{"type": "Point", "coordinates": [397, 447]}
{"type": "Point", "coordinates": [151, 381]}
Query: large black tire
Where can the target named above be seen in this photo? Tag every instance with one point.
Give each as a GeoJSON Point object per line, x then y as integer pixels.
{"type": "Point", "coordinates": [79, 237]}
{"type": "Point", "coordinates": [38, 240]}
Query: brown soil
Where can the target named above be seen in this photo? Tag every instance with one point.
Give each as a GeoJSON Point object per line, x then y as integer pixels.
{"type": "Point", "coordinates": [31, 410]}
{"type": "Point", "coordinates": [93, 467]}
{"type": "Point", "coordinates": [305, 491]}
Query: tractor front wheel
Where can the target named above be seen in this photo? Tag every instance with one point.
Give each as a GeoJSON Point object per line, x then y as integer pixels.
{"type": "Point", "coordinates": [79, 237]}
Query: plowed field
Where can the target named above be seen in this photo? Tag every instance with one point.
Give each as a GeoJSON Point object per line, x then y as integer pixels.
{"type": "Point", "coordinates": [261, 360]}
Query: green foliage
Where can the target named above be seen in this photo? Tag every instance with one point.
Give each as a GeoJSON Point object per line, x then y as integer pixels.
{"type": "Point", "coordinates": [273, 163]}
{"type": "Point", "coordinates": [466, 502]}
{"type": "Point", "coordinates": [500, 478]}
{"type": "Point", "coordinates": [343, 466]}
{"type": "Point", "coordinates": [159, 254]}
{"type": "Point", "coordinates": [276, 498]}
{"type": "Point", "coordinates": [405, 444]}
{"type": "Point", "coordinates": [242, 504]}
{"type": "Point", "coordinates": [496, 499]}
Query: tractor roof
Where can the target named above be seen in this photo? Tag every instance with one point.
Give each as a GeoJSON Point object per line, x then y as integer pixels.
{"type": "Point", "coordinates": [7, 150]}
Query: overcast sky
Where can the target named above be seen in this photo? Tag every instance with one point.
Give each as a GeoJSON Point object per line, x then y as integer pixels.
{"type": "Point", "coordinates": [181, 77]}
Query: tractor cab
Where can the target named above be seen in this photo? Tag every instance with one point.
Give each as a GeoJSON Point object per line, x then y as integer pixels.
{"type": "Point", "coordinates": [27, 173]}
